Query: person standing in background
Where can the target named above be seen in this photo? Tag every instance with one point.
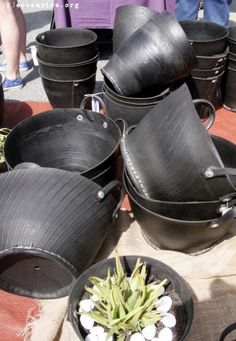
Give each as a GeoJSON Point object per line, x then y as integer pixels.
{"type": "Point", "coordinates": [214, 10]}
{"type": "Point", "coordinates": [13, 36]}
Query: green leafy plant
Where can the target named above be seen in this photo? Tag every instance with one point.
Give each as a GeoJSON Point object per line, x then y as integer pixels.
{"type": "Point", "coordinates": [124, 304]}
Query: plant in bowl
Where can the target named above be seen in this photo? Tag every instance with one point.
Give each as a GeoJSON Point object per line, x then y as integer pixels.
{"type": "Point", "coordinates": [130, 299]}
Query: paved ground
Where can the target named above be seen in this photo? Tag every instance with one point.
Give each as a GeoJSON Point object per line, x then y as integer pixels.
{"type": "Point", "coordinates": [38, 20]}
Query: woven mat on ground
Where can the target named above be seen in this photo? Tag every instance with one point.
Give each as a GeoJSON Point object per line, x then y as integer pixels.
{"type": "Point", "coordinates": [211, 277]}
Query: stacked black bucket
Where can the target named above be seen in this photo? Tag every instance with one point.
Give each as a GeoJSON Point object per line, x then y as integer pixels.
{"type": "Point", "coordinates": [209, 41]}
{"type": "Point", "coordinates": [229, 86]}
{"type": "Point", "coordinates": [67, 65]}
{"type": "Point", "coordinates": [179, 179]}
{"type": "Point", "coordinates": [150, 53]}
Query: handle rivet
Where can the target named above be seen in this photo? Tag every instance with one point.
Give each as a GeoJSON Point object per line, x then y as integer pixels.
{"type": "Point", "coordinates": [214, 225]}
{"type": "Point", "coordinates": [80, 117]}
{"type": "Point", "coordinates": [209, 173]}
{"type": "Point", "coordinates": [101, 194]}
{"type": "Point", "coordinates": [105, 124]}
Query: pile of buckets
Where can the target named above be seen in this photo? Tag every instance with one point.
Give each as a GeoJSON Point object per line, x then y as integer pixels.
{"type": "Point", "coordinates": [151, 53]}
{"type": "Point", "coordinates": [209, 41]}
{"type": "Point", "coordinates": [229, 100]}
{"type": "Point", "coordinates": [67, 65]}
{"type": "Point", "coordinates": [178, 177]}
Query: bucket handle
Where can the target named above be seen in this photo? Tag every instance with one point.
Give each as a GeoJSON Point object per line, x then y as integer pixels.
{"type": "Point", "coordinates": [102, 193]}
{"type": "Point", "coordinates": [214, 172]}
{"type": "Point", "coordinates": [91, 97]}
{"type": "Point", "coordinates": [212, 115]}
{"type": "Point", "coordinates": [229, 214]}
{"type": "Point", "coordinates": [227, 331]}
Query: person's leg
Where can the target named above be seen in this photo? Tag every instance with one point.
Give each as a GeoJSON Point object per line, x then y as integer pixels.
{"type": "Point", "coordinates": [217, 11]}
{"type": "Point", "coordinates": [10, 34]}
{"type": "Point", "coordinates": [186, 9]}
{"type": "Point", "coordinates": [22, 26]}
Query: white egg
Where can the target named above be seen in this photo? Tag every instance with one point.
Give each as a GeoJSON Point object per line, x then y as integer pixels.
{"type": "Point", "coordinates": [137, 337]}
{"type": "Point", "coordinates": [97, 330]}
{"type": "Point", "coordinates": [164, 304]}
{"type": "Point", "coordinates": [155, 339]}
{"type": "Point", "coordinates": [103, 337]}
{"type": "Point", "coordinates": [86, 305]}
{"type": "Point", "coordinates": [149, 332]}
{"type": "Point", "coordinates": [168, 320]}
{"type": "Point", "coordinates": [86, 321]}
{"type": "Point", "coordinates": [160, 291]}
{"type": "Point", "coordinates": [165, 335]}
{"type": "Point", "coordinates": [95, 298]}
{"type": "Point", "coordinates": [91, 337]}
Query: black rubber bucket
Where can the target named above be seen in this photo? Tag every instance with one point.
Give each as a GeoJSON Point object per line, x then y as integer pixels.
{"type": "Point", "coordinates": [211, 62]}
{"type": "Point", "coordinates": [131, 109]}
{"type": "Point", "coordinates": [232, 34]}
{"type": "Point", "coordinates": [128, 19]}
{"type": "Point", "coordinates": [183, 163]}
{"type": "Point", "coordinates": [199, 73]}
{"type": "Point", "coordinates": [156, 270]}
{"type": "Point", "coordinates": [151, 96]}
{"type": "Point", "coordinates": [207, 38]}
{"type": "Point", "coordinates": [207, 88]}
{"type": "Point", "coordinates": [191, 211]}
{"type": "Point", "coordinates": [185, 211]}
{"type": "Point", "coordinates": [180, 235]}
{"type": "Point", "coordinates": [232, 46]}
{"type": "Point", "coordinates": [67, 45]}
{"type": "Point", "coordinates": [228, 88]}
{"type": "Point", "coordinates": [68, 72]}
{"type": "Point", "coordinates": [132, 114]}
{"type": "Point", "coordinates": [76, 140]}
{"type": "Point", "coordinates": [68, 94]}
{"type": "Point", "coordinates": [231, 61]}
{"type": "Point", "coordinates": [232, 39]}
{"type": "Point", "coordinates": [149, 57]}
{"type": "Point", "coordinates": [53, 224]}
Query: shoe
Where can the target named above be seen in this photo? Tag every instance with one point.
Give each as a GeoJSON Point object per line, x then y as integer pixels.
{"type": "Point", "coordinates": [23, 66]}
{"type": "Point", "coordinates": [11, 84]}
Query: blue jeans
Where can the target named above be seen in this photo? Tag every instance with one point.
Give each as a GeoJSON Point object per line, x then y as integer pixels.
{"type": "Point", "coordinates": [214, 10]}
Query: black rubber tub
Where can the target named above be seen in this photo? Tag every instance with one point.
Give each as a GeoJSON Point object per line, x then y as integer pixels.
{"type": "Point", "coordinates": [232, 46]}
{"type": "Point", "coordinates": [128, 19]}
{"type": "Point", "coordinates": [156, 270]}
{"type": "Point", "coordinates": [76, 140]}
{"type": "Point", "coordinates": [132, 114]}
{"type": "Point", "coordinates": [68, 72]}
{"type": "Point", "coordinates": [147, 97]}
{"type": "Point", "coordinates": [211, 62]}
{"type": "Point", "coordinates": [207, 38]}
{"type": "Point", "coordinates": [148, 57]}
{"type": "Point", "coordinates": [183, 163]}
{"type": "Point", "coordinates": [232, 34]}
{"type": "Point", "coordinates": [180, 235]}
{"type": "Point", "coordinates": [68, 94]}
{"type": "Point", "coordinates": [67, 45]}
{"type": "Point", "coordinates": [53, 224]}
{"type": "Point", "coordinates": [228, 88]}
{"type": "Point", "coordinates": [198, 210]}
{"type": "Point", "coordinates": [199, 73]}
{"type": "Point", "coordinates": [207, 88]}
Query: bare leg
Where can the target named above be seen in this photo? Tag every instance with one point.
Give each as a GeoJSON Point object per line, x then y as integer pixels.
{"type": "Point", "coordinates": [11, 32]}
{"type": "Point", "coordinates": [22, 26]}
